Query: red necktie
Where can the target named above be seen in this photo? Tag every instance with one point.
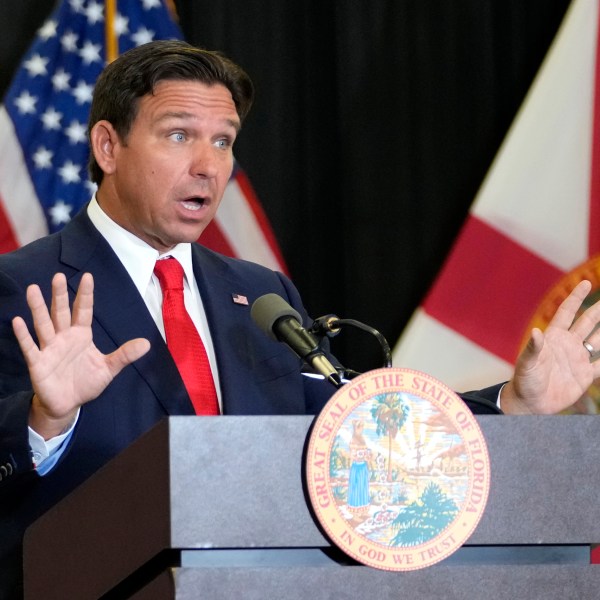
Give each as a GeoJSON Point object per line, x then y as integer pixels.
{"type": "Point", "coordinates": [183, 339]}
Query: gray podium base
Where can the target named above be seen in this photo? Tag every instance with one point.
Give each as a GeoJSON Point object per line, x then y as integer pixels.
{"type": "Point", "coordinates": [187, 573]}
{"type": "Point", "coordinates": [485, 582]}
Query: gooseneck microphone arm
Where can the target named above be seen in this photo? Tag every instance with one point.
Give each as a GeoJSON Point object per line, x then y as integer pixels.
{"type": "Point", "coordinates": [284, 324]}
{"type": "Point", "coordinates": [330, 326]}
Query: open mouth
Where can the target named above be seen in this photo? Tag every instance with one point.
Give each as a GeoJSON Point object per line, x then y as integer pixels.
{"type": "Point", "coordinates": [194, 203]}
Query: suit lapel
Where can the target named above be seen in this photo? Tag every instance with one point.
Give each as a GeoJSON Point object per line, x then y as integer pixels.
{"type": "Point", "coordinates": [248, 361]}
{"type": "Point", "coordinates": [120, 312]}
{"type": "Point", "coordinates": [227, 320]}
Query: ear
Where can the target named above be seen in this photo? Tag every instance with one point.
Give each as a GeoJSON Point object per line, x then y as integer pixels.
{"type": "Point", "coordinates": [104, 142]}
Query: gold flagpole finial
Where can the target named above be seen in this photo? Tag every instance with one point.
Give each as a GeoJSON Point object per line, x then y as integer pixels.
{"type": "Point", "coordinates": [112, 44]}
{"type": "Point", "coordinates": [172, 9]}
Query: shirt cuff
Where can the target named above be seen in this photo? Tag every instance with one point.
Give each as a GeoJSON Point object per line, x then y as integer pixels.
{"type": "Point", "coordinates": [498, 399]}
{"type": "Point", "coordinates": [42, 450]}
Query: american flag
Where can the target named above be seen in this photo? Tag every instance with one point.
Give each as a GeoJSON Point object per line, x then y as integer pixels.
{"type": "Point", "coordinates": [43, 130]}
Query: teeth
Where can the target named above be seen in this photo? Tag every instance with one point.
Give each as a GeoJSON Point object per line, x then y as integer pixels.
{"type": "Point", "coordinates": [192, 204]}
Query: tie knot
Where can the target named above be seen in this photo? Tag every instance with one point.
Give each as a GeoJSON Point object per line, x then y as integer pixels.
{"type": "Point", "coordinates": [169, 273]}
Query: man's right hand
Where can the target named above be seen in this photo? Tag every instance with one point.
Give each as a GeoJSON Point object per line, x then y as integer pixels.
{"type": "Point", "coordinates": [67, 370]}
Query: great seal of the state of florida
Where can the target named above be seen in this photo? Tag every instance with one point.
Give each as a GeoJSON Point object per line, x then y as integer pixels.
{"type": "Point", "coordinates": [397, 470]}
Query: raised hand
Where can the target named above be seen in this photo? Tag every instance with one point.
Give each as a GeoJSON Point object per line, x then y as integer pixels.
{"type": "Point", "coordinates": [555, 369]}
{"type": "Point", "coordinates": [67, 370]}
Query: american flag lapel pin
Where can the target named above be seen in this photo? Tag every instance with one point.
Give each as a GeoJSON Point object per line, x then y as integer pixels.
{"type": "Point", "coordinates": [239, 299]}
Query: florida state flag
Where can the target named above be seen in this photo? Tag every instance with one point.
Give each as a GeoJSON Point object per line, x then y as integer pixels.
{"type": "Point", "coordinates": [533, 230]}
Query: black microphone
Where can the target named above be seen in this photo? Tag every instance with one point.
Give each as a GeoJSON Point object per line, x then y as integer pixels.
{"type": "Point", "coordinates": [283, 324]}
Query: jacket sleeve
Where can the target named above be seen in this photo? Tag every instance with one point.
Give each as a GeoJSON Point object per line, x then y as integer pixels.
{"type": "Point", "coordinates": [484, 402]}
{"type": "Point", "coordinates": [15, 390]}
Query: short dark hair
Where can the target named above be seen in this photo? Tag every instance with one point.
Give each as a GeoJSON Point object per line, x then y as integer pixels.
{"type": "Point", "coordinates": [136, 73]}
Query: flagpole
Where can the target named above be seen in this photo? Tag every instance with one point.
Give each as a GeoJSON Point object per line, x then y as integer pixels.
{"type": "Point", "coordinates": [594, 220]}
{"type": "Point", "coordinates": [112, 44]}
{"type": "Point", "coordinates": [172, 9]}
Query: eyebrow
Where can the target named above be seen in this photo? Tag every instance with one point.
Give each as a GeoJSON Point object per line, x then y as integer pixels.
{"type": "Point", "coordinates": [186, 115]}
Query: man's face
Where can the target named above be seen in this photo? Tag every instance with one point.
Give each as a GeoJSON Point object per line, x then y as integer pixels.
{"type": "Point", "coordinates": [164, 182]}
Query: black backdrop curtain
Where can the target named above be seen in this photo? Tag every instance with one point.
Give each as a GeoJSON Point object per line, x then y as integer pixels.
{"type": "Point", "coordinates": [374, 125]}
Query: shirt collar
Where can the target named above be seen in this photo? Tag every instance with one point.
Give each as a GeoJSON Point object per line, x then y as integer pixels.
{"type": "Point", "coordinates": [137, 256]}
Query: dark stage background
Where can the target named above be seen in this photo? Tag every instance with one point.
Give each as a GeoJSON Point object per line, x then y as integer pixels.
{"type": "Point", "coordinates": [374, 125]}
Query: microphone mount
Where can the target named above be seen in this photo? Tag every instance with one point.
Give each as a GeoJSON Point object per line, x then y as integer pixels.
{"type": "Point", "coordinates": [331, 325]}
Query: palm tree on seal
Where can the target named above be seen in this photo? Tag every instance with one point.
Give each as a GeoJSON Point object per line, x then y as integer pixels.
{"type": "Point", "coordinates": [389, 413]}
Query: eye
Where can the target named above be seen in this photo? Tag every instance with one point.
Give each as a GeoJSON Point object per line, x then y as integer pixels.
{"type": "Point", "coordinates": [178, 136]}
{"type": "Point", "coordinates": [224, 143]}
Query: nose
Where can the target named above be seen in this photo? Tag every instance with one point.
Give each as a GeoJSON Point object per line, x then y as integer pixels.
{"type": "Point", "coordinates": [205, 162]}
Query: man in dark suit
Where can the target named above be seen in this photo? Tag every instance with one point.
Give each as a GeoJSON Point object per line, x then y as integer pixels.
{"type": "Point", "coordinates": [162, 125]}
{"type": "Point", "coordinates": [162, 128]}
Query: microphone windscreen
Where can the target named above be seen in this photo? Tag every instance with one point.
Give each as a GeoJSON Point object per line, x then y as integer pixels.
{"type": "Point", "coordinates": [268, 309]}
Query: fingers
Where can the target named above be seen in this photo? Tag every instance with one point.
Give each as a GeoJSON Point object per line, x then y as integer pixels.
{"type": "Point", "coordinates": [532, 350]}
{"type": "Point", "coordinates": [42, 323]}
{"type": "Point", "coordinates": [583, 327]}
{"type": "Point", "coordinates": [60, 310]}
{"type": "Point", "coordinates": [594, 340]}
{"type": "Point", "coordinates": [83, 306]}
{"type": "Point", "coordinates": [28, 346]}
{"type": "Point", "coordinates": [589, 319]}
{"type": "Point", "coordinates": [47, 324]}
{"type": "Point", "coordinates": [126, 354]}
{"type": "Point", "coordinates": [536, 342]}
{"type": "Point", "coordinates": [563, 318]}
